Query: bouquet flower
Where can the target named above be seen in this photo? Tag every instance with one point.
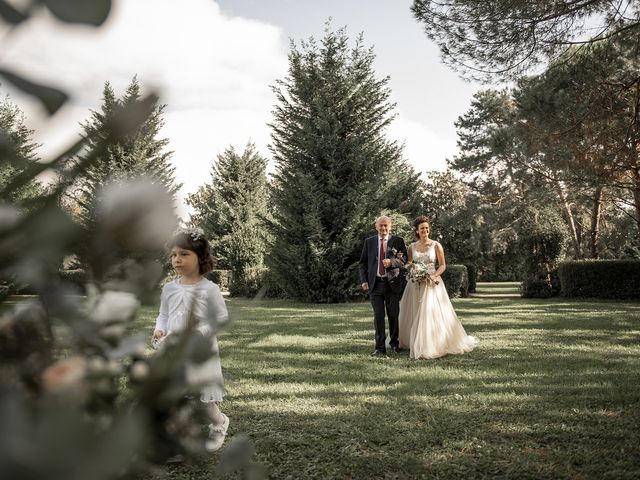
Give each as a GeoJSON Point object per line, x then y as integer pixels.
{"type": "Point", "coordinates": [419, 272]}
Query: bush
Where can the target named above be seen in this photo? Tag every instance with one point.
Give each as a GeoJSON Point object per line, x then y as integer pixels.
{"type": "Point", "coordinates": [542, 241]}
{"type": "Point", "coordinates": [472, 274]}
{"type": "Point", "coordinates": [456, 279]}
{"type": "Point", "coordinates": [600, 278]}
{"type": "Point", "coordinates": [247, 282]}
{"type": "Point", "coordinates": [220, 277]}
{"type": "Point", "coordinates": [254, 281]}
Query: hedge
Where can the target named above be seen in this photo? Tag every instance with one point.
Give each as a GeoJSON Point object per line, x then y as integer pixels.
{"type": "Point", "coordinates": [456, 279]}
{"type": "Point", "coordinates": [600, 278]}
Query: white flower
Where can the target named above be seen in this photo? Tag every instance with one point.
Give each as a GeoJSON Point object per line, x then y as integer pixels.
{"type": "Point", "coordinates": [114, 306]}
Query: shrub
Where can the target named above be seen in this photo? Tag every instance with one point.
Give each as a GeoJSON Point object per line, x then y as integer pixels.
{"type": "Point", "coordinates": [221, 277]}
{"type": "Point", "coordinates": [456, 279]}
{"type": "Point", "coordinates": [247, 282]}
{"type": "Point", "coordinates": [542, 241]}
{"type": "Point", "coordinates": [255, 281]}
{"type": "Point", "coordinates": [600, 278]}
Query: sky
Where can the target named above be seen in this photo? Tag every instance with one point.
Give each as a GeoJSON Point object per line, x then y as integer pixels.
{"type": "Point", "coordinates": [213, 64]}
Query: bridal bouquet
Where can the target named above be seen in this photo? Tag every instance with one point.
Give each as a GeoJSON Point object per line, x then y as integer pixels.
{"type": "Point", "coordinates": [419, 272]}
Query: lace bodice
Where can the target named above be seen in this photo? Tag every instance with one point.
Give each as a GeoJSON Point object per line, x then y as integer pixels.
{"type": "Point", "coordinates": [428, 256]}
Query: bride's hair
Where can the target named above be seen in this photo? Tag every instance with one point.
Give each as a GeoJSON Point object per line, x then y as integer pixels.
{"type": "Point", "coordinates": [418, 221]}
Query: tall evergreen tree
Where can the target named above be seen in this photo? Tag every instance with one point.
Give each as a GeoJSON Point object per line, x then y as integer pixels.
{"type": "Point", "coordinates": [17, 152]}
{"type": "Point", "coordinates": [335, 170]}
{"type": "Point", "coordinates": [140, 153]}
{"type": "Point", "coordinates": [231, 209]}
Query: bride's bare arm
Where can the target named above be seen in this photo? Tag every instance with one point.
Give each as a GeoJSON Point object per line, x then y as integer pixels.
{"type": "Point", "coordinates": [442, 265]}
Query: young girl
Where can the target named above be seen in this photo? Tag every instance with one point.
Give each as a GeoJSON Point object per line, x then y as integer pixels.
{"type": "Point", "coordinates": [191, 259]}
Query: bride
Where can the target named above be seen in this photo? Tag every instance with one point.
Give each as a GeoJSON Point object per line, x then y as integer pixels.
{"type": "Point", "coordinates": [428, 324]}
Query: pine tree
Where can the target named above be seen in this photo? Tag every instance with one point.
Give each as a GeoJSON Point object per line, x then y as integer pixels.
{"type": "Point", "coordinates": [17, 152]}
{"type": "Point", "coordinates": [231, 209]}
{"type": "Point", "coordinates": [137, 154]}
{"type": "Point", "coordinates": [335, 170]}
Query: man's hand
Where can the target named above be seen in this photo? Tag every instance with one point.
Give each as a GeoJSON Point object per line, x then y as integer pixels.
{"type": "Point", "coordinates": [365, 286]}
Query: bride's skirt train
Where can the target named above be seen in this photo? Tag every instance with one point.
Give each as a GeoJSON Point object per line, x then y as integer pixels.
{"type": "Point", "coordinates": [429, 326]}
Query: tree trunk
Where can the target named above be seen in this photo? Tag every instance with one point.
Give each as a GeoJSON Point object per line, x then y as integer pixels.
{"type": "Point", "coordinates": [596, 215]}
{"type": "Point", "coordinates": [636, 195]}
{"type": "Point", "coordinates": [571, 224]}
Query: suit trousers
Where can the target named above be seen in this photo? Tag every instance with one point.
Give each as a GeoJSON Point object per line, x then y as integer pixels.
{"type": "Point", "coordinates": [384, 299]}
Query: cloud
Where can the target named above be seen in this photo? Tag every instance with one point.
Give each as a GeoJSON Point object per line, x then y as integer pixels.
{"type": "Point", "coordinates": [212, 70]}
{"type": "Point", "coordinates": [214, 73]}
{"type": "Point", "coordinates": [424, 149]}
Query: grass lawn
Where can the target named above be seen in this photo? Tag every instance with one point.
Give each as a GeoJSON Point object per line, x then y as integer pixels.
{"type": "Point", "coordinates": [551, 392]}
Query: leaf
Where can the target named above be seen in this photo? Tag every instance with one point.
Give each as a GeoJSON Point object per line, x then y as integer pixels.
{"type": "Point", "coordinates": [11, 14]}
{"type": "Point", "coordinates": [52, 99]}
{"type": "Point", "coordinates": [90, 12]}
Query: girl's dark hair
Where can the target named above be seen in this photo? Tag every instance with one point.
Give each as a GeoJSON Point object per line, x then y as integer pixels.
{"type": "Point", "coordinates": [418, 221]}
{"type": "Point", "coordinates": [196, 243]}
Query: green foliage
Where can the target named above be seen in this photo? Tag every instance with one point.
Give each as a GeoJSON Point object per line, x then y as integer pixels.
{"type": "Point", "coordinates": [492, 166]}
{"type": "Point", "coordinates": [66, 359]}
{"type": "Point", "coordinates": [542, 242]}
{"type": "Point", "coordinates": [506, 38]}
{"type": "Point", "coordinates": [515, 152]}
{"type": "Point", "coordinates": [18, 153]}
{"type": "Point", "coordinates": [232, 209]}
{"type": "Point", "coordinates": [220, 277]}
{"type": "Point", "coordinates": [138, 154]}
{"type": "Point", "coordinates": [72, 380]}
{"type": "Point", "coordinates": [456, 280]}
{"type": "Point", "coordinates": [600, 278]}
{"type": "Point", "coordinates": [581, 118]}
{"type": "Point", "coordinates": [335, 170]}
{"type": "Point", "coordinates": [80, 397]}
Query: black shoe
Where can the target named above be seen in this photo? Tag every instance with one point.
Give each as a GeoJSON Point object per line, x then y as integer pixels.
{"type": "Point", "coordinates": [395, 349]}
{"type": "Point", "coordinates": [379, 353]}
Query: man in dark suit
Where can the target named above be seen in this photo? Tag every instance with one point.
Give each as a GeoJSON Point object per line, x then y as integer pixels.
{"type": "Point", "coordinates": [380, 262]}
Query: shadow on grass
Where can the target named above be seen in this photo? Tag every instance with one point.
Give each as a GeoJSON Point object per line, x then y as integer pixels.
{"type": "Point", "coordinates": [551, 392]}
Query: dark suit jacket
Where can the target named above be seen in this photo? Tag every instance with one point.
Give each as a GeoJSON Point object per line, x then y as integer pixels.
{"type": "Point", "coordinates": [369, 259]}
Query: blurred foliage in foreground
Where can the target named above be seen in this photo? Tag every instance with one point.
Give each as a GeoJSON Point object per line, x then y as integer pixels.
{"type": "Point", "coordinates": [79, 398]}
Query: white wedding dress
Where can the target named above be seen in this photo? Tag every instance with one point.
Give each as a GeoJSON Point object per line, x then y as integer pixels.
{"type": "Point", "coordinates": [428, 324]}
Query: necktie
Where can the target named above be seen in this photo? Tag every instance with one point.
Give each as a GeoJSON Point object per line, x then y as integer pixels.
{"type": "Point", "coordinates": [381, 256]}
